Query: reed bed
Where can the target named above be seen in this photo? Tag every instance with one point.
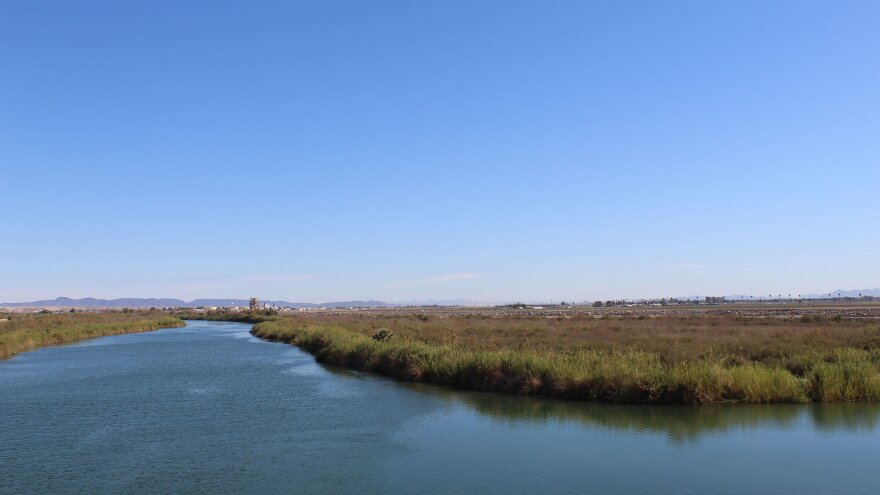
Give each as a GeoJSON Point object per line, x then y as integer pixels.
{"type": "Point", "coordinates": [630, 360]}
{"type": "Point", "coordinates": [220, 315]}
{"type": "Point", "coordinates": [22, 333]}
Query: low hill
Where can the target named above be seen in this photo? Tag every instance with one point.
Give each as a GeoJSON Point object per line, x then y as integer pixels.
{"type": "Point", "coordinates": [133, 302]}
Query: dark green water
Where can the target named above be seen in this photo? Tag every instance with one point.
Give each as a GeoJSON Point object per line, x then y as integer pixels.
{"type": "Point", "coordinates": [210, 409]}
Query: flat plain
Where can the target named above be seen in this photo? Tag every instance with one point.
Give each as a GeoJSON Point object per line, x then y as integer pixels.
{"type": "Point", "coordinates": [699, 354]}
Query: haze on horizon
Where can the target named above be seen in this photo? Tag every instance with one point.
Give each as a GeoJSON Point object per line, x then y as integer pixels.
{"type": "Point", "coordinates": [494, 151]}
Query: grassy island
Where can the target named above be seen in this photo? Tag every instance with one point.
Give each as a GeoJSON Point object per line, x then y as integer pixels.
{"type": "Point", "coordinates": [630, 359]}
{"type": "Point", "coordinates": [20, 333]}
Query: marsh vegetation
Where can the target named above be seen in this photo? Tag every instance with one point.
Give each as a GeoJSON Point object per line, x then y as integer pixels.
{"type": "Point", "coordinates": [641, 359]}
{"type": "Point", "coordinates": [25, 332]}
{"type": "Point", "coordinates": [233, 316]}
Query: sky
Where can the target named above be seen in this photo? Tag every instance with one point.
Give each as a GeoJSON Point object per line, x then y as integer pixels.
{"type": "Point", "coordinates": [487, 150]}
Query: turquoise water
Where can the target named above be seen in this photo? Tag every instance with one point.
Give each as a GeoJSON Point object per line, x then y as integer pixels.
{"type": "Point", "coordinates": [210, 409]}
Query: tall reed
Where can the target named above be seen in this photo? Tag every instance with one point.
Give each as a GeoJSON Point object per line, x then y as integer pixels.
{"type": "Point", "coordinates": [614, 375]}
{"type": "Point", "coordinates": [27, 332]}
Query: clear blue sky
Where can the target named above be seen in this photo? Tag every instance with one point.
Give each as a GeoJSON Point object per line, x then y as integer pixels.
{"type": "Point", "coordinates": [328, 150]}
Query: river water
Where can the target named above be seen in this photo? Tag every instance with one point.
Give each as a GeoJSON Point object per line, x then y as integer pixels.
{"type": "Point", "coordinates": [210, 409]}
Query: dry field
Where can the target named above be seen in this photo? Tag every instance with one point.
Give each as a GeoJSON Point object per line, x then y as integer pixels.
{"type": "Point", "coordinates": [649, 355]}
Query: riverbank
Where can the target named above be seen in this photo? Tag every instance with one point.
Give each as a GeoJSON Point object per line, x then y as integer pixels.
{"type": "Point", "coordinates": [623, 360]}
{"type": "Point", "coordinates": [235, 317]}
{"type": "Point", "coordinates": [226, 412]}
{"type": "Point", "coordinates": [20, 333]}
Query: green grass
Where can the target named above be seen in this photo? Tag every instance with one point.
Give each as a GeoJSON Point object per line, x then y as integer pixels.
{"type": "Point", "coordinates": [685, 361]}
{"type": "Point", "coordinates": [22, 333]}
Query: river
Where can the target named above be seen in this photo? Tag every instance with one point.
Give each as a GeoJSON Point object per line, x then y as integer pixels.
{"type": "Point", "coordinates": [208, 408]}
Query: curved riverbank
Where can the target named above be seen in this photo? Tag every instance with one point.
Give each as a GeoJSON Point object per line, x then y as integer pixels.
{"type": "Point", "coordinates": [24, 333]}
{"type": "Point", "coordinates": [210, 408]}
{"type": "Point", "coordinates": [625, 376]}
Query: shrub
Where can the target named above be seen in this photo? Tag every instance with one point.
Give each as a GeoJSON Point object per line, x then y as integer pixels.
{"type": "Point", "coordinates": [383, 335]}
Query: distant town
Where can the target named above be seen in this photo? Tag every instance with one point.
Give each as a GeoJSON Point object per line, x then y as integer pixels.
{"type": "Point", "coordinates": [63, 304]}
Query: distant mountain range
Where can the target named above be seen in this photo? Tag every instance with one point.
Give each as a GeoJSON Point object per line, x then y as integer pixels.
{"type": "Point", "coordinates": [132, 302]}
{"type": "Point", "coordinates": [845, 293]}
{"type": "Point", "coordinates": [827, 295]}
{"type": "Point", "coordinates": [443, 302]}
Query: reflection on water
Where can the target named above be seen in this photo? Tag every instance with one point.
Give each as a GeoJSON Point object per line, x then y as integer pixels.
{"type": "Point", "coordinates": [209, 408]}
{"type": "Point", "coordinates": [679, 423]}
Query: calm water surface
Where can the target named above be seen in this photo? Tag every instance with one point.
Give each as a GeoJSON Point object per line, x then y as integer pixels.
{"type": "Point", "coordinates": [209, 408]}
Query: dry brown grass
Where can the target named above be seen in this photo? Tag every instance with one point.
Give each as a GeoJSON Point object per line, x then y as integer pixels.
{"type": "Point", "coordinates": [668, 359]}
{"type": "Point", "coordinates": [26, 332]}
{"type": "Point", "coordinates": [675, 339]}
